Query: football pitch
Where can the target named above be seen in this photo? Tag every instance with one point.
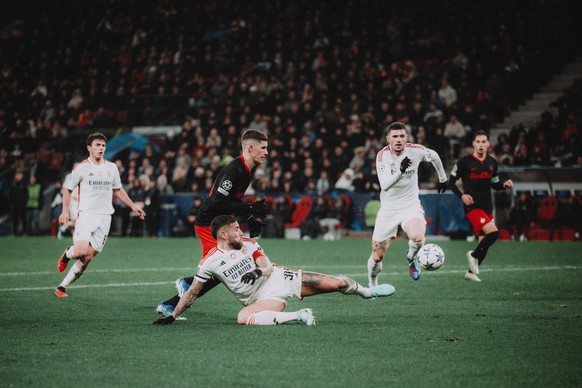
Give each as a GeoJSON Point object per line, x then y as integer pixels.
{"type": "Point", "coordinates": [521, 326]}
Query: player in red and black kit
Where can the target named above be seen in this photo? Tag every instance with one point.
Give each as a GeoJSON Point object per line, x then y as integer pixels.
{"type": "Point", "coordinates": [478, 172]}
{"type": "Point", "coordinates": [225, 198]}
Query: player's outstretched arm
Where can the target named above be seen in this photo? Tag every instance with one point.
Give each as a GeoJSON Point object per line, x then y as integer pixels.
{"type": "Point", "coordinates": [437, 163]}
{"type": "Point", "coordinates": [122, 195]}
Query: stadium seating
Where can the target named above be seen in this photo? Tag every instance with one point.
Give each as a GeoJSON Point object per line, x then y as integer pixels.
{"type": "Point", "coordinates": [302, 209]}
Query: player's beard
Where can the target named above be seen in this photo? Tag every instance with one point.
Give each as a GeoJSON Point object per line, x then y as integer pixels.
{"type": "Point", "coordinates": [236, 244]}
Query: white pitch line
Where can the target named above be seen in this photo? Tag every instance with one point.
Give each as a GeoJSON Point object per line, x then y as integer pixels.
{"type": "Point", "coordinates": [126, 270]}
{"type": "Point", "coordinates": [88, 286]}
{"type": "Point", "coordinates": [442, 272]}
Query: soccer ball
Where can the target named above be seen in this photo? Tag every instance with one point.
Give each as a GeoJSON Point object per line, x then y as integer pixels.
{"type": "Point", "coordinates": [430, 257]}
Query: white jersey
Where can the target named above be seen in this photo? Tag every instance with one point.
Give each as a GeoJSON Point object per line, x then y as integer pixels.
{"type": "Point", "coordinates": [401, 190]}
{"type": "Point", "coordinates": [95, 183]}
{"type": "Point", "coordinates": [229, 266]}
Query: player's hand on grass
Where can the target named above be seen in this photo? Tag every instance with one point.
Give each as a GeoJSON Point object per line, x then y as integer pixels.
{"type": "Point", "coordinates": [165, 321]}
{"type": "Point", "coordinates": [442, 187]}
{"type": "Point", "coordinates": [251, 277]}
{"type": "Point", "coordinates": [255, 226]}
{"type": "Point", "coordinates": [406, 162]}
{"type": "Point", "coordinates": [258, 208]}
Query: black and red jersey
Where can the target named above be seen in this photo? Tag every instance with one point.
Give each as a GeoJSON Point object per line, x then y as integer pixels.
{"type": "Point", "coordinates": [226, 194]}
{"type": "Point", "coordinates": [478, 177]}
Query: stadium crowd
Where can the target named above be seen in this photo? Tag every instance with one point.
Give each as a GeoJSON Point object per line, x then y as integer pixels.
{"type": "Point", "coordinates": [323, 79]}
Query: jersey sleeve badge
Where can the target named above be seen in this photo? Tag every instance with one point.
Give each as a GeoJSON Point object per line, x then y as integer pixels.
{"type": "Point", "coordinates": [225, 187]}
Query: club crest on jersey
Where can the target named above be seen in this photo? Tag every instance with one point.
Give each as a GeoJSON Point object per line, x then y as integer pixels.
{"type": "Point", "coordinates": [482, 220]}
{"type": "Point", "coordinates": [225, 187]}
{"type": "Point", "coordinates": [233, 256]}
{"type": "Point", "coordinates": [381, 168]}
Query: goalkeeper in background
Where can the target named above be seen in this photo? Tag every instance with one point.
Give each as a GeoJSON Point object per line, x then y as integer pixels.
{"type": "Point", "coordinates": [225, 198]}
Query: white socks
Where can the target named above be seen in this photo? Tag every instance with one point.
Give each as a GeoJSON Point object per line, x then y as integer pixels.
{"type": "Point", "coordinates": [354, 288]}
{"type": "Point", "coordinates": [374, 270]}
{"type": "Point", "coordinates": [413, 249]}
{"type": "Point", "coordinates": [70, 253]}
{"type": "Point", "coordinates": [74, 273]}
{"type": "Point", "coordinates": [268, 317]}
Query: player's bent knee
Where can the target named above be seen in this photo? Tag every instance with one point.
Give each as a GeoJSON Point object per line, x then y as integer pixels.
{"type": "Point", "coordinates": [243, 317]}
{"type": "Point", "coordinates": [493, 236]}
{"type": "Point", "coordinates": [416, 239]}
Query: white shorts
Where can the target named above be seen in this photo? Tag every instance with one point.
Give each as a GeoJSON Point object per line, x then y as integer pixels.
{"type": "Point", "coordinates": [283, 283]}
{"type": "Point", "coordinates": [93, 228]}
{"type": "Point", "coordinates": [387, 221]}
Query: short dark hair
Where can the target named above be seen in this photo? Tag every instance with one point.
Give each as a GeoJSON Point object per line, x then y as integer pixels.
{"type": "Point", "coordinates": [96, 136]}
{"type": "Point", "coordinates": [218, 222]}
{"type": "Point", "coordinates": [254, 134]}
{"type": "Point", "coordinates": [481, 133]}
{"type": "Point", "coordinates": [395, 126]}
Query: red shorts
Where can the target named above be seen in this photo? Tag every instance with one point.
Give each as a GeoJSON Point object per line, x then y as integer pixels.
{"type": "Point", "coordinates": [478, 219]}
{"type": "Point", "coordinates": [206, 240]}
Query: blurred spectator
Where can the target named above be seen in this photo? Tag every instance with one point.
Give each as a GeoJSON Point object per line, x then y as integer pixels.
{"type": "Point", "coordinates": [180, 174]}
{"type": "Point", "coordinates": [56, 210]}
{"type": "Point", "coordinates": [193, 213]}
{"type": "Point", "coordinates": [19, 201]}
{"type": "Point", "coordinates": [152, 204]}
{"type": "Point", "coordinates": [501, 140]}
{"type": "Point", "coordinates": [359, 159]}
{"type": "Point", "coordinates": [33, 206]}
{"type": "Point", "coordinates": [455, 133]}
{"type": "Point", "coordinates": [136, 227]}
{"type": "Point", "coordinates": [345, 180]}
{"type": "Point", "coordinates": [568, 213]}
{"type": "Point", "coordinates": [359, 182]}
{"type": "Point", "coordinates": [310, 227]}
{"type": "Point", "coordinates": [447, 94]}
{"type": "Point", "coordinates": [521, 216]}
{"type": "Point", "coordinates": [438, 142]}
{"type": "Point", "coordinates": [506, 158]}
{"type": "Point", "coordinates": [322, 184]}
{"type": "Point", "coordinates": [521, 152]}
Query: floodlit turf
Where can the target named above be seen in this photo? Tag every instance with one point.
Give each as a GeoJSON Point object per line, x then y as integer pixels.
{"type": "Point", "coordinates": [521, 326]}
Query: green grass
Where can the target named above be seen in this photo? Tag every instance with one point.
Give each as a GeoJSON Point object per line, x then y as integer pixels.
{"type": "Point", "coordinates": [521, 326]}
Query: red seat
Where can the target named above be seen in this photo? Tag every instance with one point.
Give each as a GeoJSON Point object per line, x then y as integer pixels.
{"type": "Point", "coordinates": [547, 209]}
{"type": "Point", "coordinates": [302, 209]}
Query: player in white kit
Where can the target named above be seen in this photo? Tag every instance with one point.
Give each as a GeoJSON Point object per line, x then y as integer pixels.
{"type": "Point", "coordinates": [96, 180]}
{"type": "Point", "coordinates": [263, 288]}
{"type": "Point", "coordinates": [397, 167]}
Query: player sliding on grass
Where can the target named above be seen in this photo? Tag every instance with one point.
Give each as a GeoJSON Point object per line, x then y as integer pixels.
{"type": "Point", "coordinates": [226, 198]}
{"type": "Point", "coordinates": [478, 172]}
{"type": "Point", "coordinates": [263, 288]}
{"type": "Point", "coordinates": [397, 166]}
{"type": "Point", "coordinates": [98, 180]}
